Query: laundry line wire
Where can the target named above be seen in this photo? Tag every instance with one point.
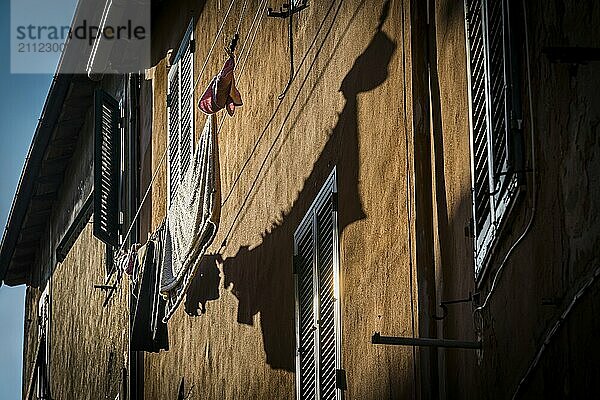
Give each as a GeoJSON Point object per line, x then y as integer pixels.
{"type": "Point", "coordinates": [264, 131]}
{"type": "Point", "coordinates": [212, 47]}
{"type": "Point", "coordinates": [137, 213]}
{"type": "Point", "coordinates": [216, 39]}
{"type": "Point", "coordinates": [264, 162]}
{"type": "Point", "coordinates": [237, 29]}
{"type": "Point", "coordinates": [246, 40]}
{"type": "Point", "coordinates": [164, 155]}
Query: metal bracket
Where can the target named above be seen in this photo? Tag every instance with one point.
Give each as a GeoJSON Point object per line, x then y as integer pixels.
{"type": "Point", "coordinates": [572, 55]}
{"type": "Point", "coordinates": [340, 379]}
{"type": "Point", "coordinates": [105, 287]}
{"type": "Point", "coordinates": [284, 10]}
{"type": "Point", "coordinates": [425, 342]}
{"type": "Point", "coordinates": [444, 306]}
{"type": "Point", "coordinates": [288, 11]}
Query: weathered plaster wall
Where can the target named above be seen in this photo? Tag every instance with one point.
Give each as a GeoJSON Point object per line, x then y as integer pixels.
{"type": "Point", "coordinates": [88, 341]}
{"type": "Point", "coordinates": [79, 324]}
{"type": "Point", "coordinates": [30, 335]}
{"type": "Point", "coordinates": [561, 247]}
{"type": "Point", "coordinates": [343, 109]}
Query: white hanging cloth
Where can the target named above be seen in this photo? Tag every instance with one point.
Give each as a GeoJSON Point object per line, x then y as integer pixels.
{"type": "Point", "coordinates": [192, 219]}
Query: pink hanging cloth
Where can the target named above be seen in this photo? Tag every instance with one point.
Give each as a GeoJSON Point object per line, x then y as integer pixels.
{"type": "Point", "coordinates": [221, 92]}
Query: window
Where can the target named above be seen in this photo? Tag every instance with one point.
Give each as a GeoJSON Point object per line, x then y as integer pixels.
{"type": "Point", "coordinates": [180, 101]}
{"type": "Point", "coordinates": [318, 327]}
{"type": "Point", "coordinates": [494, 121]}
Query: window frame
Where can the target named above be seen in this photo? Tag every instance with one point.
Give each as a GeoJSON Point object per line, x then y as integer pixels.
{"type": "Point", "coordinates": [328, 192]}
{"type": "Point", "coordinates": [187, 42]}
{"type": "Point", "coordinates": [503, 189]}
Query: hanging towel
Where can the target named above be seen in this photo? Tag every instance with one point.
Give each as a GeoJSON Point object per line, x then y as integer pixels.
{"type": "Point", "coordinates": [192, 219]}
{"type": "Point", "coordinates": [221, 92]}
{"type": "Point", "coordinates": [148, 332]}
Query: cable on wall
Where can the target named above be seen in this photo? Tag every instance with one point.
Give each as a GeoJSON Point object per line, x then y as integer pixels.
{"type": "Point", "coordinates": [485, 303]}
{"type": "Point", "coordinates": [264, 131]}
{"type": "Point", "coordinates": [409, 193]}
{"type": "Point", "coordinates": [264, 162]}
{"type": "Point", "coordinates": [553, 330]}
{"type": "Point", "coordinates": [212, 46]}
{"type": "Point", "coordinates": [164, 155]}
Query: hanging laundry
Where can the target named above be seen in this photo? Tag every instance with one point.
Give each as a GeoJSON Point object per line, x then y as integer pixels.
{"type": "Point", "coordinates": [221, 92]}
{"type": "Point", "coordinates": [130, 259]}
{"type": "Point", "coordinates": [192, 219]}
{"type": "Point", "coordinates": [149, 332]}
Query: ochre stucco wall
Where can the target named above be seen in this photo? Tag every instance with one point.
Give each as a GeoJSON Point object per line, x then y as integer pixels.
{"type": "Point", "coordinates": [543, 273]}
{"type": "Point", "coordinates": [88, 342]}
{"type": "Point", "coordinates": [344, 109]}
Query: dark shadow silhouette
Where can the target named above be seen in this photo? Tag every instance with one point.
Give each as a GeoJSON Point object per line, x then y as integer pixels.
{"type": "Point", "coordinates": [262, 277]}
{"type": "Point", "coordinates": [204, 286]}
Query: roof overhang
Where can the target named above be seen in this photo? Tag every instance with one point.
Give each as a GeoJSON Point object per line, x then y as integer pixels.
{"type": "Point", "coordinates": [49, 155]}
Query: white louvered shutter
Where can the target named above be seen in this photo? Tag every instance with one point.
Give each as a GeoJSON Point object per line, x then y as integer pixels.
{"type": "Point", "coordinates": [327, 335]}
{"type": "Point", "coordinates": [498, 86]}
{"type": "Point", "coordinates": [317, 322]}
{"type": "Point", "coordinates": [487, 36]}
{"type": "Point", "coordinates": [186, 142]}
{"type": "Point", "coordinates": [107, 135]}
{"type": "Point", "coordinates": [180, 104]}
{"type": "Point", "coordinates": [174, 125]}
{"type": "Point", "coordinates": [306, 315]}
{"type": "Point", "coordinates": [479, 120]}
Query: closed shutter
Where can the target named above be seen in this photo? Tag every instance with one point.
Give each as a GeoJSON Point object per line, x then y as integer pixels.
{"type": "Point", "coordinates": [493, 180]}
{"type": "Point", "coordinates": [317, 325]}
{"type": "Point", "coordinates": [181, 112]}
{"type": "Point", "coordinates": [479, 122]}
{"type": "Point", "coordinates": [174, 127]}
{"type": "Point", "coordinates": [107, 116]}
{"type": "Point", "coordinates": [498, 94]}
{"type": "Point", "coordinates": [306, 315]}
{"type": "Point", "coordinates": [187, 108]}
{"type": "Point", "coordinates": [327, 337]}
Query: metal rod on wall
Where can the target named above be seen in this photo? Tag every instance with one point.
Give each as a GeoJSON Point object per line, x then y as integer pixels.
{"type": "Point", "coordinates": [424, 342]}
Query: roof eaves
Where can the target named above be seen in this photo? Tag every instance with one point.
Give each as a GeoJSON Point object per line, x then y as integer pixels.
{"type": "Point", "coordinates": [46, 124]}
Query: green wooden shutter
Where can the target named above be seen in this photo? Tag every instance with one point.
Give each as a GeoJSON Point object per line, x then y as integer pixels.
{"type": "Point", "coordinates": [107, 138]}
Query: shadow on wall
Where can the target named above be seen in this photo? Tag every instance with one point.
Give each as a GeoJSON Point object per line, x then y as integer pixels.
{"type": "Point", "coordinates": [262, 276]}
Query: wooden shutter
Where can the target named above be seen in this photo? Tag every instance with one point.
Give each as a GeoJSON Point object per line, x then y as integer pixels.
{"type": "Point", "coordinates": [173, 175]}
{"type": "Point", "coordinates": [489, 64]}
{"type": "Point", "coordinates": [180, 103]}
{"type": "Point", "coordinates": [479, 116]}
{"type": "Point", "coordinates": [187, 105]}
{"type": "Point", "coordinates": [317, 323]}
{"type": "Point", "coordinates": [327, 335]}
{"type": "Point", "coordinates": [498, 86]}
{"type": "Point", "coordinates": [307, 374]}
{"type": "Point", "coordinates": [107, 138]}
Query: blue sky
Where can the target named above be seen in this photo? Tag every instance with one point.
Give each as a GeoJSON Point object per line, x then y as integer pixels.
{"type": "Point", "coordinates": [20, 107]}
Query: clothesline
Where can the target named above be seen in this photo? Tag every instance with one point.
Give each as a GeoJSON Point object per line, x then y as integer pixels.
{"type": "Point", "coordinates": [164, 155]}
{"type": "Point", "coordinates": [226, 238]}
{"type": "Point", "coordinates": [137, 213]}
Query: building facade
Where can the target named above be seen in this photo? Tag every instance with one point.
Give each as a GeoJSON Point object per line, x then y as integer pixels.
{"type": "Point", "coordinates": [427, 173]}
